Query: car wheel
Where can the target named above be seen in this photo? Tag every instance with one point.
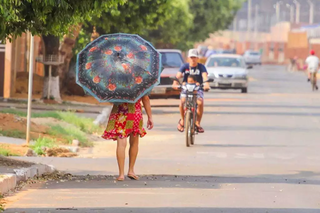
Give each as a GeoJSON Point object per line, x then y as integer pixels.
{"type": "Point", "coordinates": [244, 90]}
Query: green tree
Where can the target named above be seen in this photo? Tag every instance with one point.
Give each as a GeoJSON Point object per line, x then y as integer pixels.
{"type": "Point", "coordinates": [132, 17]}
{"type": "Point", "coordinates": [176, 25]}
{"type": "Point", "coordinates": [190, 21]}
{"type": "Point", "coordinates": [211, 16]}
{"type": "Point", "coordinates": [50, 18]}
{"type": "Point", "coordinates": [47, 16]}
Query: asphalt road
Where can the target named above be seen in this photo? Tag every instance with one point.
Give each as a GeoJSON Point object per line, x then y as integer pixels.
{"type": "Point", "coordinates": [259, 154]}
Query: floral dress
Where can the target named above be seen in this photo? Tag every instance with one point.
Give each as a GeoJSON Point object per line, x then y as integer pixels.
{"type": "Point", "coordinates": [125, 120]}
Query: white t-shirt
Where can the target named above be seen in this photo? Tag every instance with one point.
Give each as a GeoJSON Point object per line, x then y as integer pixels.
{"type": "Point", "coordinates": [313, 63]}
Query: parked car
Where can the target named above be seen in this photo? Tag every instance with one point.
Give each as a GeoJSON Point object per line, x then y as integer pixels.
{"type": "Point", "coordinates": [252, 57]}
{"type": "Point", "coordinates": [171, 61]}
{"type": "Point", "coordinates": [228, 72]}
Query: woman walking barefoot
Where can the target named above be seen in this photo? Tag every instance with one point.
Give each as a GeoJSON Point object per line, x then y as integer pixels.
{"type": "Point", "coordinates": [125, 121]}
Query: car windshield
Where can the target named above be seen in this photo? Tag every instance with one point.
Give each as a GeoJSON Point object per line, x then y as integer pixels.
{"type": "Point", "coordinates": [225, 62]}
{"type": "Point", "coordinates": [171, 59]}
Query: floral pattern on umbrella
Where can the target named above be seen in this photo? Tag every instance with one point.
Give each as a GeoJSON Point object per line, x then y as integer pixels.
{"type": "Point", "coordinates": [118, 68]}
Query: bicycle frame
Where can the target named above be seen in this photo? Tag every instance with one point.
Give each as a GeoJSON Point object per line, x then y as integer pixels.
{"type": "Point", "coordinates": [191, 105]}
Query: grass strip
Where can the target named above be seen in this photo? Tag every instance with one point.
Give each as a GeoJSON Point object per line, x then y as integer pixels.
{"type": "Point", "coordinates": [84, 124]}
{"type": "Point", "coordinates": [70, 133]}
{"type": "Point", "coordinates": [42, 142]}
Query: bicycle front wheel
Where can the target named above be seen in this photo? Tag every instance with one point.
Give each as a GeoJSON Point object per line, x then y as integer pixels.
{"type": "Point", "coordinates": [188, 128]}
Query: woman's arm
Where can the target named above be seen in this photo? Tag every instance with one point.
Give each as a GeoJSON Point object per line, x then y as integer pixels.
{"type": "Point", "coordinates": [147, 107]}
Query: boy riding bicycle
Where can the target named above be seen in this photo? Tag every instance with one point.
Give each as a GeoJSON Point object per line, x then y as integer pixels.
{"type": "Point", "coordinates": [200, 75]}
{"type": "Point", "coordinates": [313, 65]}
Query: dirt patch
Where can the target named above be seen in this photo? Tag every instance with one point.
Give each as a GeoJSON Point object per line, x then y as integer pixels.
{"type": "Point", "coordinates": [12, 163]}
{"type": "Point", "coordinates": [59, 152]}
{"type": "Point", "coordinates": [11, 122]}
{"type": "Point", "coordinates": [48, 121]}
{"type": "Point", "coordinates": [19, 150]}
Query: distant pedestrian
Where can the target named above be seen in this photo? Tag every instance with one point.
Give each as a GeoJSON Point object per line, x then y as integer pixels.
{"type": "Point", "coordinates": [313, 63]}
{"type": "Point", "coordinates": [126, 120]}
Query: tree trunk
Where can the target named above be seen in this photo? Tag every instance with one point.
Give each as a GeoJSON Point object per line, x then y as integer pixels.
{"type": "Point", "coordinates": [54, 88]}
{"type": "Point", "coordinates": [51, 47]}
{"type": "Point", "coordinates": [66, 50]}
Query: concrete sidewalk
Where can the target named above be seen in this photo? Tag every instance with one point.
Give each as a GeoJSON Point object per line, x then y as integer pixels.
{"type": "Point", "coordinates": [13, 171]}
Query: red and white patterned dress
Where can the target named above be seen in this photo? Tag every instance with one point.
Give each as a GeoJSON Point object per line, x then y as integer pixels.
{"type": "Point", "coordinates": [125, 120]}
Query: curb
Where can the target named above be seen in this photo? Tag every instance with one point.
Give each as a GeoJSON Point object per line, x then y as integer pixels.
{"type": "Point", "coordinates": [9, 181]}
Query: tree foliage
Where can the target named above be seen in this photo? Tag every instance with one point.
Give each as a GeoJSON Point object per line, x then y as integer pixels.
{"type": "Point", "coordinates": [176, 25]}
{"type": "Point", "coordinates": [132, 17]}
{"type": "Point", "coordinates": [135, 16]}
{"type": "Point", "coordinates": [211, 16]}
{"type": "Point", "coordinates": [190, 21]}
{"type": "Point", "coordinates": [166, 23]}
{"type": "Point", "coordinates": [43, 17]}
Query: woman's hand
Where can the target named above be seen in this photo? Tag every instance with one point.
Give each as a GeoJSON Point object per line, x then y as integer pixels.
{"type": "Point", "coordinates": [150, 123]}
{"type": "Point", "coordinates": [147, 107]}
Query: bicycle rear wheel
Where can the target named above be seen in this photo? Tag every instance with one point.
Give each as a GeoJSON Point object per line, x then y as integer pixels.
{"type": "Point", "coordinates": [313, 82]}
{"type": "Point", "coordinates": [188, 129]}
{"type": "Point", "coordinates": [193, 130]}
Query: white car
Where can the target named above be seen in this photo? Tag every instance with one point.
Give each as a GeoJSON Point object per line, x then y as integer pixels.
{"type": "Point", "coordinates": [228, 72]}
{"type": "Point", "coordinates": [252, 57]}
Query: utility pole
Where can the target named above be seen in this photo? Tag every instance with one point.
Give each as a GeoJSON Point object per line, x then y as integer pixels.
{"type": "Point", "coordinates": [249, 20]}
{"type": "Point", "coordinates": [30, 88]}
{"type": "Point", "coordinates": [278, 11]}
{"type": "Point", "coordinates": [291, 13]}
{"type": "Point", "coordinates": [297, 11]}
{"type": "Point", "coordinates": [249, 16]}
{"type": "Point", "coordinates": [256, 22]}
{"type": "Point", "coordinates": [234, 30]}
{"type": "Point", "coordinates": [311, 13]}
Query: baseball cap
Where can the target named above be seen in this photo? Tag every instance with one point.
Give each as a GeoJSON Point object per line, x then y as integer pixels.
{"type": "Point", "coordinates": [193, 53]}
{"type": "Point", "coordinates": [312, 52]}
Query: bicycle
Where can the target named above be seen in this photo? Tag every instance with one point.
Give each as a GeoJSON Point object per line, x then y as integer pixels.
{"type": "Point", "coordinates": [190, 115]}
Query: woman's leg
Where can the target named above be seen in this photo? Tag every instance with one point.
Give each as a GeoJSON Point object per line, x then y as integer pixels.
{"type": "Point", "coordinates": [133, 152]}
{"type": "Point", "coordinates": [121, 155]}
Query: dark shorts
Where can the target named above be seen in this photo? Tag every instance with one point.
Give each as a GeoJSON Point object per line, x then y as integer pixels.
{"type": "Point", "coordinates": [200, 94]}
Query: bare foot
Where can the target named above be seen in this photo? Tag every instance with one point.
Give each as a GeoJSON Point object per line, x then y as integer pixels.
{"type": "Point", "coordinates": [120, 178]}
{"type": "Point", "coordinates": [132, 176]}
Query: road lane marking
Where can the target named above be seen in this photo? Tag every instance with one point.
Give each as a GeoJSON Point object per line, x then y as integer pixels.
{"type": "Point", "coordinates": [215, 154]}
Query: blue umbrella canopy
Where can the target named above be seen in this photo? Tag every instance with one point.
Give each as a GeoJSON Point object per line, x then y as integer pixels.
{"type": "Point", "coordinates": [118, 68]}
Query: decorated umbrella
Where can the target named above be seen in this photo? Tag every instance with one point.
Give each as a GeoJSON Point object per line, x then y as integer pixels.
{"type": "Point", "coordinates": [118, 68]}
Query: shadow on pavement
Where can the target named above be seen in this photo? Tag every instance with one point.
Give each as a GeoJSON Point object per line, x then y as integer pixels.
{"type": "Point", "coordinates": [267, 106]}
{"type": "Point", "coordinates": [238, 145]}
{"type": "Point", "coordinates": [241, 128]}
{"type": "Point", "coordinates": [300, 114]}
{"type": "Point", "coordinates": [175, 181]}
{"type": "Point", "coordinates": [129, 209]}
